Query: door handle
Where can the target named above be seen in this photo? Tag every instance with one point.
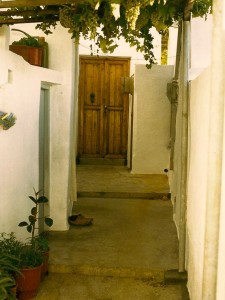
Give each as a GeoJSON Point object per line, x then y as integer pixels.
{"type": "Point", "coordinates": [105, 108]}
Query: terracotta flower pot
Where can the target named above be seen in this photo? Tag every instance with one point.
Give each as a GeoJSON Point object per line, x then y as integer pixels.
{"type": "Point", "coordinates": [30, 54]}
{"type": "Point", "coordinates": [28, 283]}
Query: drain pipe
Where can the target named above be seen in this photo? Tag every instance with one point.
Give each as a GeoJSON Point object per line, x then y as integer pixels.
{"type": "Point", "coordinates": [73, 135]}
{"type": "Point", "coordinates": [184, 143]}
{"type": "Point", "coordinates": [215, 158]}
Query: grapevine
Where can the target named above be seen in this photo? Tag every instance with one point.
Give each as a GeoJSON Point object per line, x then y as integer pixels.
{"type": "Point", "coordinates": [94, 20]}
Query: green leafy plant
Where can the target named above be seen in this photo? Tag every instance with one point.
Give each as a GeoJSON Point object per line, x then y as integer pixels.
{"type": "Point", "coordinates": [29, 257]}
{"type": "Point", "coordinates": [8, 270]}
{"type": "Point", "coordinates": [41, 243]}
{"type": "Point", "coordinates": [33, 217]}
{"type": "Point", "coordinates": [9, 264]}
{"type": "Point", "coordinates": [27, 41]}
{"type": "Point", "coordinates": [17, 254]}
{"type": "Point", "coordinates": [9, 245]}
{"type": "Point", "coordinates": [6, 285]}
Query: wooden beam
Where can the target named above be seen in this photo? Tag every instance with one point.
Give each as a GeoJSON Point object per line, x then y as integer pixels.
{"type": "Point", "coordinates": [29, 3]}
{"type": "Point", "coordinates": [37, 12]}
{"type": "Point", "coordinates": [28, 20]}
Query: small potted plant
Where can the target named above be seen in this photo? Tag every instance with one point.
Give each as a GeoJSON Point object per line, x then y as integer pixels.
{"type": "Point", "coordinates": [30, 264]}
{"type": "Point", "coordinates": [29, 48]}
{"type": "Point", "coordinates": [25, 258]}
{"type": "Point", "coordinates": [38, 242]}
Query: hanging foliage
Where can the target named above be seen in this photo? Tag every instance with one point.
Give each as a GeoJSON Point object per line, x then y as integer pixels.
{"type": "Point", "coordinates": [134, 23]}
{"type": "Point", "coordinates": [96, 20]}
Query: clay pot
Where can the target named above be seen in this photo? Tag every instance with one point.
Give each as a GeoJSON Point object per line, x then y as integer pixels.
{"type": "Point", "coordinates": [30, 54]}
{"type": "Point", "coordinates": [28, 283]}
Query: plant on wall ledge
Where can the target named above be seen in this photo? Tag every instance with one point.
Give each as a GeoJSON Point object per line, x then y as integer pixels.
{"type": "Point", "coordinates": [7, 120]}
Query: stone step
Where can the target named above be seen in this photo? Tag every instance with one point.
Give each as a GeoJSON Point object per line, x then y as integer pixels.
{"type": "Point", "coordinates": [102, 161]}
{"type": "Point", "coordinates": [155, 276]}
{"type": "Point", "coordinates": [125, 195]}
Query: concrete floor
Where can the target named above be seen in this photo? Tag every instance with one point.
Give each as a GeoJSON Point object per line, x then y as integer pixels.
{"type": "Point", "coordinates": [126, 251]}
{"type": "Point", "coordinates": [78, 287]}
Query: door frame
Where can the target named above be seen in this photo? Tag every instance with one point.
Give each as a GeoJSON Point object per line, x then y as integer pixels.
{"type": "Point", "coordinates": [130, 105]}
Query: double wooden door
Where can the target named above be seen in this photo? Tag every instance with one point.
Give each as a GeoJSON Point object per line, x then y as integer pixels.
{"type": "Point", "coordinates": [103, 107]}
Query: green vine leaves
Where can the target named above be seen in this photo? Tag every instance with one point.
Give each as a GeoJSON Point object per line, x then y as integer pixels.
{"type": "Point", "coordinates": [96, 21]}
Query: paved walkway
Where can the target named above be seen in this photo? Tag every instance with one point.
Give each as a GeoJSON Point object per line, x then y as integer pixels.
{"type": "Point", "coordinates": [126, 251]}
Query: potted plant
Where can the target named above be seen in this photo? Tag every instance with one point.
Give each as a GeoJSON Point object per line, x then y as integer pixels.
{"type": "Point", "coordinates": [30, 264]}
{"type": "Point", "coordinates": [38, 242]}
{"type": "Point", "coordinates": [27, 260]}
{"type": "Point", "coordinates": [29, 48]}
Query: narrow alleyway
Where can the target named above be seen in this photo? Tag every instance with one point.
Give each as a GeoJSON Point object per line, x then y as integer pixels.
{"type": "Point", "coordinates": [126, 251]}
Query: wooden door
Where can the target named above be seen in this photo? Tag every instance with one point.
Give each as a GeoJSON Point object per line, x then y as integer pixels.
{"type": "Point", "coordinates": [103, 108]}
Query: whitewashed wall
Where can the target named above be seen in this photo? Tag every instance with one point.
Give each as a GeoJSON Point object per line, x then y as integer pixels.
{"type": "Point", "coordinates": [151, 133]}
{"type": "Point", "coordinates": [20, 85]}
{"type": "Point", "coordinates": [201, 38]}
{"type": "Point", "coordinates": [197, 180]}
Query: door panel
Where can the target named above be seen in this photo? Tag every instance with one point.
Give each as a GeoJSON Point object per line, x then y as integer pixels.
{"type": "Point", "coordinates": [90, 89]}
{"type": "Point", "coordinates": [103, 108]}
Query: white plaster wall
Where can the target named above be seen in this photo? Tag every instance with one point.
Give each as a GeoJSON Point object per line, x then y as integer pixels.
{"type": "Point", "coordinates": [197, 180]}
{"type": "Point", "coordinates": [151, 120]}
{"type": "Point", "coordinates": [20, 94]}
{"type": "Point", "coordinates": [201, 38]}
{"type": "Point", "coordinates": [26, 83]}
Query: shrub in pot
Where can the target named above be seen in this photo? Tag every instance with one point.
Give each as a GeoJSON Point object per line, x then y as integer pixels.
{"type": "Point", "coordinates": [30, 263]}
{"type": "Point", "coordinates": [39, 242]}
{"type": "Point", "coordinates": [27, 260]}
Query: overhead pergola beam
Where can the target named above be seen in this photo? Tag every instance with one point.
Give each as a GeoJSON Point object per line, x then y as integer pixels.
{"type": "Point", "coordinates": [39, 15]}
{"type": "Point", "coordinates": [33, 3]}
{"type": "Point", "coordinates": [27, 20]}
{"type": "Point", "coordinates": [38, 11]}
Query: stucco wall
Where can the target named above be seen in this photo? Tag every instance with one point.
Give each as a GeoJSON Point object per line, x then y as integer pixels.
{"type": "Point", "coordinates": [20, 86]}
{"type": "Point", "coordinates": [201, 42]}
{"type": "Point", "coordinates": [197, 180]}
{"type": "Point", "coordinates": [151, 133]}
{"type": "Point", "coordinates": [20, 94]}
